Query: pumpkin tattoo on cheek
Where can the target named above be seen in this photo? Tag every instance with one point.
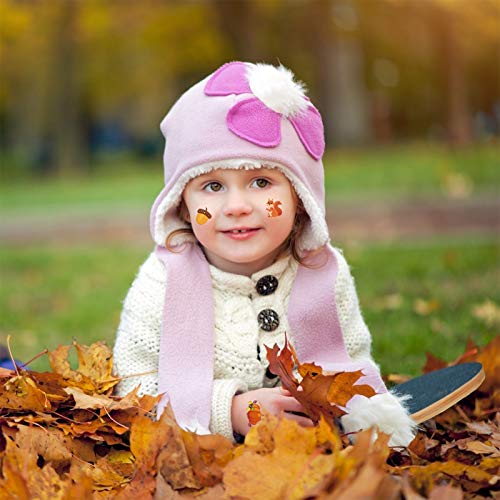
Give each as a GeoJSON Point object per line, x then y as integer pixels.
{"type": "Point", "coordinates": [203, 216]}
{"type": "Point", "coordinates": [273, 209]}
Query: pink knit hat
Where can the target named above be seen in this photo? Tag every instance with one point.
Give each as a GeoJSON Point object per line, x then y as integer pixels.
{"type": "Point", "coordinates": [242, 116]}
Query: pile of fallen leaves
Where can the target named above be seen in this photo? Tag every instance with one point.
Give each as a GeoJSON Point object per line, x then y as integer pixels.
{"type": "Point", "coordinates": [63, 435]}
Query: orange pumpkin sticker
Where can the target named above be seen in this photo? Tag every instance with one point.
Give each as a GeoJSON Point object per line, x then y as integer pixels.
{"type": "Point", "coordinates": [253, 412]}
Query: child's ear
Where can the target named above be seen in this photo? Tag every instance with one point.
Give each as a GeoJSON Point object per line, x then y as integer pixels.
{"type": "Point", "coordinates": [183, 212]}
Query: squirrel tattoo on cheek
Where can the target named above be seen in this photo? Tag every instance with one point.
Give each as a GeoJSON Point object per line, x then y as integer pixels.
{"type": "Point", "coordinates": [273, 209]}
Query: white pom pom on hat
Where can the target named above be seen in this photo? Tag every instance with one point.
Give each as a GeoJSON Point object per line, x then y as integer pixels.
{"type": "Point", "coordinates": [277, 89]}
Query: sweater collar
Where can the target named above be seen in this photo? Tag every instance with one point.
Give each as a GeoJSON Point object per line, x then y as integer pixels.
{"type": "Point", "coordinates": [245, 285]}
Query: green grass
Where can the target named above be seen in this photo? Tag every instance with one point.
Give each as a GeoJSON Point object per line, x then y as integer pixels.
{"type": "Point", "coordinates": [454, 275]}
{"type": "Point", "coordinates": [397, 172]}
{"type": "Point", "coordinates": [50, 295]}
{"type": "Point", "coordinates": [411, 171]}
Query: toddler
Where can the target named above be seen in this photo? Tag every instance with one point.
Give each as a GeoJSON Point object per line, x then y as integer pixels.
{"type": "Point", "coordinates": [242, 257]}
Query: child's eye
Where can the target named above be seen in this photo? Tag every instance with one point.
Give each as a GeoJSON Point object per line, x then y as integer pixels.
{"type": "Point", "coordinates": [213, 186]}
{"type": "Point", "coordinates": [261, 183]}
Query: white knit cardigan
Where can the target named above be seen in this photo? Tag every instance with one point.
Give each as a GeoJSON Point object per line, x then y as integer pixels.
{"type": "Point", "coordinates": [240, 355]}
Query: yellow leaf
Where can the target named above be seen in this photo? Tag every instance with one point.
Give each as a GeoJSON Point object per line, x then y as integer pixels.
{"type": "Point", "coordinates": [85, 401]}
{"type": "Point", "coordinates": [488, 312]}
{"type": "Point", "coordinates": [21, 393]}
{"type": "Point", "coordinates": [94, 367]}
{"type": "Point", "coordinates": [426, 307]}
{"type": "Point", "coordinates": [293, 465]}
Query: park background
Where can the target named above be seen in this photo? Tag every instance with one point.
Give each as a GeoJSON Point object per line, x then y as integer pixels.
{"type": "Point", "coordinates": [409, 93]}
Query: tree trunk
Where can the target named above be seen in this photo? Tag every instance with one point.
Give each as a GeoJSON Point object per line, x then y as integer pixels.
{"type": "Point", "coordinates": [239, 22]}
{"type": "Point", "coordinates": [64, 127]}
{"type": "Point", "coordinates": [451, 59]}
{"type": "Point", "coordinates": [339, 64]}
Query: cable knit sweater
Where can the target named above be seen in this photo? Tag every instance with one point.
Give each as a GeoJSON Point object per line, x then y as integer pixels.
{"type": "Point", "coordinates": [240, 354]}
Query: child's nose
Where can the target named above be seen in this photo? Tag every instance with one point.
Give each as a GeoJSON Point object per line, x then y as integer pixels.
{"type": "Point", "coordinates": [237, 205]}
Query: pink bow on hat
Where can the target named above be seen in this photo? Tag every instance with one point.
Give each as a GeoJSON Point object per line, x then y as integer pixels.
{"type": "Point", "coordinates": [257, 123]}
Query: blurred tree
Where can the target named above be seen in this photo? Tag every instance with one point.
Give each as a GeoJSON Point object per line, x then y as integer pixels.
{"type": "Point", "coordinates": [72, 64]}
{"type": "Point", "coordinates": [64, 124]}
{"type": "Point", "coordinates": [239, 22]}
{"type": "Point", "coordinates": [343, 62]}
{"type": "Point", "coordinates": [450, 51]}
{"type": "Point", "coordinates": [384, 69]}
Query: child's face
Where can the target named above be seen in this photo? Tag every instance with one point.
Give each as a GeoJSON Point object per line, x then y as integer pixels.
{"type": "Point", "coordinates": [240, 199]}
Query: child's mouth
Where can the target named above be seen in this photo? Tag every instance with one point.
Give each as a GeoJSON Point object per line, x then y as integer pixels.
{"type": "Point", "coordinates": [241, 234]}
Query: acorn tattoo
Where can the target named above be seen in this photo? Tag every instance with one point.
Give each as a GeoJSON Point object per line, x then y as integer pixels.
{"type": "Point", "coordinates": [203, 216]}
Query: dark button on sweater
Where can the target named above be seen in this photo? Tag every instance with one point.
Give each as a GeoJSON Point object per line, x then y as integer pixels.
{"type": "Point", "coordinates": [267, 285]}
{"type": "Point", "coordinates": [268, 320]}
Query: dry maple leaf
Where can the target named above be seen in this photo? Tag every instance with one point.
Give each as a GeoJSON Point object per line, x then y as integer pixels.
{"type": "Point", "coordinates": [283, 472]}
{"type": "Point", "coordinates": [208, 455]}
{"type": "Point", "coordinates": [319, 394]}
{"type": "Point", "coordinates": [20, 392]}
{"type": "Point", "coordinates": [95, 364]}
{"type": "Point", "coordinates": [63, 436]}
{"type": "Point", "coordinates": [86, 401]}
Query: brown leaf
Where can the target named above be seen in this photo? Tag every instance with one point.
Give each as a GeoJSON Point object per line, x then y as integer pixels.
{"type": "Point", "coordinates": [14, 482]}
{"type": "Point", "coordinates": [343, 388]}
{"type": "Point", "coordinates": [367, 458]}
{"type": "Point", "coordinates": [426, 476]}
{"type": "Point", "coordinates": [103, 478]}
{"type": "Point", "coordinates": [96, 362]}
{"type": "Point", "coordinates": [47, 484]}
{"type": "Point", "coordinates": [59, 363]}
{"type": "Point", "coordinates": [319, 394]}
{"type": "Point", "coordinates": [366, 484]}
{"type": "Point", "coordinates": [281, 364]}
{"type": "Point", "coordinates": [433, 363]}
{"type": "Point", "coordinates": [49, 444]}
{"type": "Point", "coordinates": [94, 372]}
{"type": "Point", "coordinates": [208, 455]}
{"type": "Point", "coordinates": [52, 384]}
{"type": "Point", "coordinates": [482, 448]}
{"type": "Point", "coordinates": [85, 401]}
{"type": "Point", "coordinates": [17, 466]}
{"type": "Point", "coordinates": [21, 393]}
{"type": "Point", "coordinates": [485, 428]}
{"type": "Point", "coordinates": [290, 467]}
{"type": "Point", "coordinates": [147, 438]}
{"type": "Point", "coordinates": [489, 357]}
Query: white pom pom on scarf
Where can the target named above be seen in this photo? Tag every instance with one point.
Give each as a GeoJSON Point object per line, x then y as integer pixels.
{"type": "Point", "coordinates": [276, 88]}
